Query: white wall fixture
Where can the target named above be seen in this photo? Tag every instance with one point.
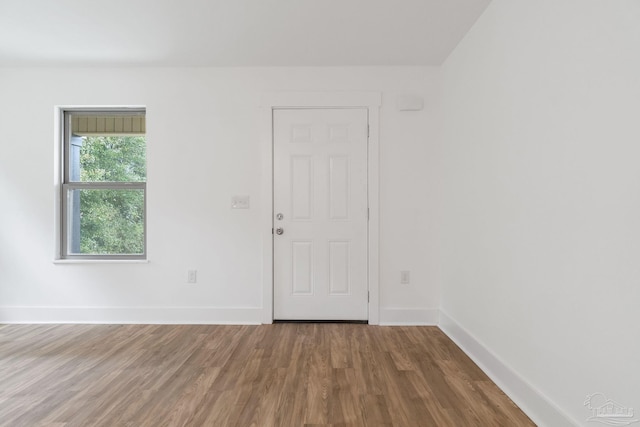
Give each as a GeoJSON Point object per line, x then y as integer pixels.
{"type": "Point", "coordinates": [409, 103]}
{"type": "Point", "coordinates": [192, 276]}
{"type": "Point", "coordinates": [405, 277]}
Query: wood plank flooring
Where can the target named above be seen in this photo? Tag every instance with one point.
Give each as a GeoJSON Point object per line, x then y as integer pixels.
{"type": "Point", "coordinates": [271, 375]}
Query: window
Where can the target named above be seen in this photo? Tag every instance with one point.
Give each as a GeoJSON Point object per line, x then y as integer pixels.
{"type": "Point", "coordinates": [104, 176]}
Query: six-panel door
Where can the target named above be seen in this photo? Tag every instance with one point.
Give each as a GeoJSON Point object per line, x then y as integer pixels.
{"type": "Point", "coordinates": [320, 209]}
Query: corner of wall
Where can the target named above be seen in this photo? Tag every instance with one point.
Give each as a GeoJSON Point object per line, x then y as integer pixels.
{"type": "Point", "coordinates": [536, 405]}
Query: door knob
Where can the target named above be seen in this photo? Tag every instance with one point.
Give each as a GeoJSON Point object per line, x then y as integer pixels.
{"type": "Point", "coordinates": [279, 231]}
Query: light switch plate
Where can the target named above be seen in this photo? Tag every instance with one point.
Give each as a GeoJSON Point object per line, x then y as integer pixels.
{"type": "Point", "coordinates": [240, 202]}
{"type": "Point", "coordinates": [192, 276]}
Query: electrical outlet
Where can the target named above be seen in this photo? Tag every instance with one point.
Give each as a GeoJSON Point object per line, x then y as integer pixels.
{"type": "Point", "coordinates": [192, 276]}
{"type": "Point", "coordinates": [405, 277]}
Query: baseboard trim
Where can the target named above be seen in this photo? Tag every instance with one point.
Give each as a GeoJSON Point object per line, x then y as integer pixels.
{"type": "Point", "coordinates": [131, 315]}
{"type": "Point", "coordinates": [536, 405]}
{"type": "Point", "coordinates": [409, 316]}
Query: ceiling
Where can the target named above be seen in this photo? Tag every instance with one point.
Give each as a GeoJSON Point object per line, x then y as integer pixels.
{"type": "Point", "coordinates": [232, 32]}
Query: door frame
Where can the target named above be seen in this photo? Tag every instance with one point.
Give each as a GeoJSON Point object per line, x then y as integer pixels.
{"type": "Point", "coordinates": [292, 100]}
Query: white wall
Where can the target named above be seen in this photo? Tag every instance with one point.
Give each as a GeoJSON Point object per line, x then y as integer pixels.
{"type": "Point", "coordinates": [541, 198]}
{"type": "Point", "coordinates": [203, 147]}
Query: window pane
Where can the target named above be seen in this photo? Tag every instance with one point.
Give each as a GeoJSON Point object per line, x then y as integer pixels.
{"type": "Point", "coordinates": [107, 158]}
{"type": "Point", "coordinates": [105, 222]}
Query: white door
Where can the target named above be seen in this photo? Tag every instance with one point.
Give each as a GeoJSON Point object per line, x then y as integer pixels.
{"type": "Point", "coordinates": [320, 209]}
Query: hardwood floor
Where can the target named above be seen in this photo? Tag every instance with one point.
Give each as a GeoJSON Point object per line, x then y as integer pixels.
{"type": "Point", "coordinates": [271, 375]}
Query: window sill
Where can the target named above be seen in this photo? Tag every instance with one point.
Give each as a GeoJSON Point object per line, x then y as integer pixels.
{"type": "Point", "coordinates": [100, 261]}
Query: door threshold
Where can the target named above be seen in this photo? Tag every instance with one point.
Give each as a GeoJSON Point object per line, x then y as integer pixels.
{"type": "Point", "coordinates": [358, 322]}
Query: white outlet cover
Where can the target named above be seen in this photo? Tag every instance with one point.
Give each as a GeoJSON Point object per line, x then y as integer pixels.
{"type": "Point", "coordinates": [192, 276]}
{"type": "Point", "coordinates": [240, 202]}
{"type": "Point", "coordinates": [405, 277]}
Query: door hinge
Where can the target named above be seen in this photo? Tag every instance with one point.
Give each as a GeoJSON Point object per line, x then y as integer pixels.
{"type": "Point", "coordinates": [368, 131]}
{"type": "Point", "coordinates": [368, 297]}
{"type": "Point", "coordinates": [271, 230]}
{"type": "Point", "coordinates": [368, 214]}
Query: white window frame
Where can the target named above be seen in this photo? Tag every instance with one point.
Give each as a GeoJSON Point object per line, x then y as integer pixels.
{"type": "Point", "coordinates": [62, 184]}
